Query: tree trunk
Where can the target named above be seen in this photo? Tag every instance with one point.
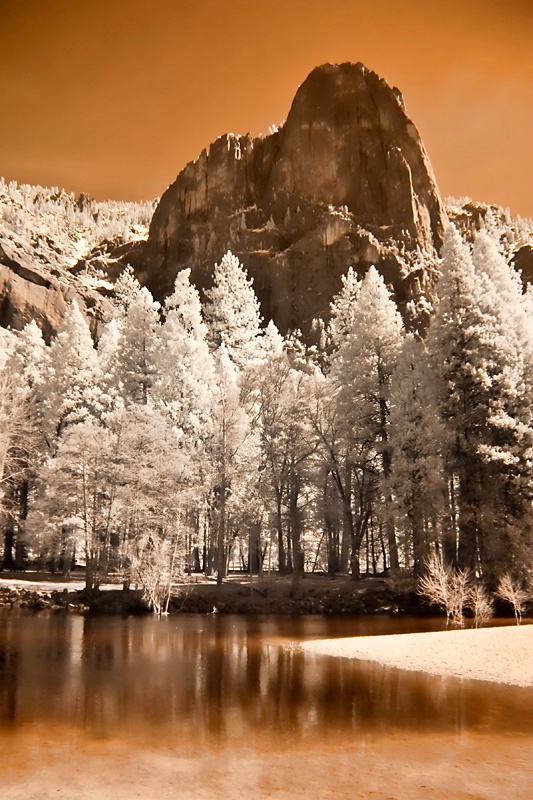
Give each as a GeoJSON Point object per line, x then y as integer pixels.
{"type": "Point", "coordinates": [394, 563]}
{"type": "Point", "coordinates": [418, 533]}
{"type": "Point", "coordinates": [9, 540]}
{"type": "Point", "coordinates": [295, 516]}
{"type": "Point", "coordinates": [221, 540]}
{"type": "Point", "coordinates": [347, 517]}
{"type": "Point", "coordinates": [330, 528]}
{"type": "Point", "coordinates": [386, 462]}
{"type": "Point", "coordinates": [450, 536]}
{"type": "Point", "coordinates": [467, 551]}
{"type": "Point", "coordinates": [358, 535]}
{"type": "Point", "coordinates": [254, 547]}
{"type": "Point", "coordinates": [282, 559]}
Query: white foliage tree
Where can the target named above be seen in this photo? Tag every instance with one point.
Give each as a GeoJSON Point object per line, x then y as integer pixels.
{"type": "Point", "coordinates": [232, 312]}
{"type": "Point", "coordinates": [184, 364]}
{"type": "Point", "coordinates": [73, 511]}
{"type": "Point", "coordinates": [152, 496]}
{"type": "Point", "coordinates": [342, 309]}
{"type": "Point", "coordinates": [282, 394]}
{"type": "Point", "coordinates": [360, 375]}
{"type": "Point", "coordinates": [126, 290]}
{"type": "Point", "coordinates": [69, 390]}
{"type": "Point", "coordinates": [477, 363]}
{"type": "Point", "coordinates": [416, 438]}
{"type": "Point", "coordinates": [20, 440]}
{"type": "Point", "coordinates": [108, 364]}
{"type": "Point", "coordinates": [234, 455]}
{"type": "Point", "coordinates": [136, 350]}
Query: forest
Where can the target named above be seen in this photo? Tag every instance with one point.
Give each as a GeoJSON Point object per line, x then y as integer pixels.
{"type": "Point", "coordinates": [193, 438]}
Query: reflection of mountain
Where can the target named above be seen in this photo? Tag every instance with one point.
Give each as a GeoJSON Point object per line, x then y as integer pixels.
{"type": "Point", "coordinates": [204, 681]}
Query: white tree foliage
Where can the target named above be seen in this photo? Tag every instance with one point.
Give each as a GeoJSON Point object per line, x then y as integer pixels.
{"type": "Point", "coordinates": [184, 365]}
{"type": "Point", "coordinates": [232, 312]}
{"type": "Point", "coordinates": [417, 438]}
{"type": "Point", "coordinates": [195, 426]}
{"type": "Point", "coordinates": [361, 371]}
{"type": "Point", "coordinates": [477, 361]}
{"type": "Point", "coordinates": [70, 386]}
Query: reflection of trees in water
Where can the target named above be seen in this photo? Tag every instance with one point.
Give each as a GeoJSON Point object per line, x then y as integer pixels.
{"type": "Point", "coordinates": [9, 669]}
{"type": "Point", "coordinates": [217, 681]}
{"type": "Point", "coordinates": [35, 661]}
{"type": "Point", "coordinates": [208, 680]}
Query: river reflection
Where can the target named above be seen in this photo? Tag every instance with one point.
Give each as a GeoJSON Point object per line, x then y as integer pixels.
{"type": "Point", "coordinates": [217, 680]}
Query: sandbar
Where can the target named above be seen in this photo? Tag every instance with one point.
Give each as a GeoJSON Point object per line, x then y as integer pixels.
{"type": "Point", "coordinates": [500, 654]}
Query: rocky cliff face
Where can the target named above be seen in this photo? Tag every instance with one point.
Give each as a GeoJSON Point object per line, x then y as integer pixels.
{"type": "Point", "coordinates": [30, 291]}
{"type": "Point", "coordinates": [344, 182]}
{"type": "Point", "coordinates": [54, 248]}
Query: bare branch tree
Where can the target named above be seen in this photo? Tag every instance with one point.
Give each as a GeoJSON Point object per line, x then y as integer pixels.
{"type": "Point", "coordinates": [446, 587]}
{"type": "Point", "coordinates": [481, 604]}
{"type": "Point", "coordinates": [511, 591]}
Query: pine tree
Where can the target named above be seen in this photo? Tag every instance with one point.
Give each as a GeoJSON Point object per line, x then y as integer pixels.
{"type": "Point", "coordinates": [280, 412]}
{"type": "Point", "coordinates": [361, 371]}
{"type": "Point", "coordinates": [108, 364]}
{"type": "Point", "coordinates": [233, 453]}
{"type": "Point", "coordinates": [126, 289]}
{"type": "Point", "coordinates": [476, 359]}
{"type": "Point", "coordinates": [342, 309]}
{"type": "Point", "coordinates": [232, 312]}
{"type": "Point", "coordinates": [507, 518]}
{"type": "Point", "coordinates": [69, 390]}
{"type": "Point", "coordinates": [416, 438]}
{"type": "Point", "coordinates": [184, 365]}
{"type": "Point", "coordinates": [20, 442]}
{"type": "Point", "coordinates": [136, 350]}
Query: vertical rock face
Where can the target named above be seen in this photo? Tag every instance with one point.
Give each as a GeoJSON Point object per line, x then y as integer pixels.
{"type": "Point", "coordinates": [344, 182]}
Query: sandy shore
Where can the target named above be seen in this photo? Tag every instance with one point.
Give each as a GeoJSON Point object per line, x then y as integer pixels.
{"type": "Point", "coordinates": [502, 655]}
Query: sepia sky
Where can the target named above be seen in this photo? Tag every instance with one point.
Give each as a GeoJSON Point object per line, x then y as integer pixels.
{"type": "Point", "coordinates": [113, 97]}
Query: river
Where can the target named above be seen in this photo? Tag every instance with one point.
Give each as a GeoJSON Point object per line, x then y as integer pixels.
{"type": "Point", "coordinates": [216, 706]}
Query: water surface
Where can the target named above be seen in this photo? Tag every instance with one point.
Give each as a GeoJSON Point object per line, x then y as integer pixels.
{"type": "Point", "coordinates": [198, 703]}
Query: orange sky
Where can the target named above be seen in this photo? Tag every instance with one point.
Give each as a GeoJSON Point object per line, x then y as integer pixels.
{"type": "Point", "coordinates": [113, 97]}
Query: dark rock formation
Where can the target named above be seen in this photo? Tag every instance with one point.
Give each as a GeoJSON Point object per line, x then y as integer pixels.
{"type": "Point", "coordinates": [523, 262]}
{"type": "Point", "coordinates": [345, 181]}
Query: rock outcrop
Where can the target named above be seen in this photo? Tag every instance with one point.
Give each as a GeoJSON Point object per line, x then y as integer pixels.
{"type": "Point", "coordinates": [344, 182]}
{"type": "Point", "coordinates": [522, 261]}
{"type": "Point", "coordinates": [30, 291]}
{"type": "Point", "coordinates": [55, 247]}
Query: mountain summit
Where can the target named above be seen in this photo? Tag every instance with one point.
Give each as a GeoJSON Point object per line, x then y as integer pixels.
{"type": "Point", "coordinates": [345, 181]}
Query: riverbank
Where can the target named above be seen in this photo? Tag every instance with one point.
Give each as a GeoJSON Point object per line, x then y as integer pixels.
{"type": "Point", "coordinates": [238, 595]}
{"type": "Point", "coordinates": [269, 594]}
{"type": "Point", "coordinates": [500, 654]}
{"type": "Point", "coordinates": [71, 598]}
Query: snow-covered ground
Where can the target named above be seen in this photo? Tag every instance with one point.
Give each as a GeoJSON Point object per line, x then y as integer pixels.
{"type": "Point", "coordinates": [72, 584]}
{"type": "Point", "coordinates": [501, 654]}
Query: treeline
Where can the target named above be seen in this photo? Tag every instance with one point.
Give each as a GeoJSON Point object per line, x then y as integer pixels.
{"type": "Point", "coordinates": [38, 215]}
{"type": "Point", "coordinates": [193, 438]}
